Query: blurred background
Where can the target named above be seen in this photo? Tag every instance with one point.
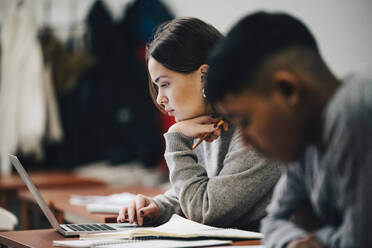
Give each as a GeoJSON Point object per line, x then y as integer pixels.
{"type": "Point", "coordinates": [74, 82]}
{"type": "Point", "coordinates": [88, 100]}
{"type": "Point", "coordinates": [73, 79]}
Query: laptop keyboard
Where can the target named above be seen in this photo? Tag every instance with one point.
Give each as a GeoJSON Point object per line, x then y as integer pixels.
{"type": "Point", "coordinates": [90, 227]}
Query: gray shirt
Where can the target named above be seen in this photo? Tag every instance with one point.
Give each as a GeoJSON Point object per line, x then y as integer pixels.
{"type": "Point", "coordinates": [334, 180]}
{"type": "Point", "coordinates": [221, 183]}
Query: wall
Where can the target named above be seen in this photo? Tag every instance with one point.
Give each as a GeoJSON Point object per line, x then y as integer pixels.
{"type": "Point", "coordinates": [342, 27]}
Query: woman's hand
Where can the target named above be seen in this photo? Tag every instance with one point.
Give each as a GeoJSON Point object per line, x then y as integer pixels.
{"type": "Point", "coordinates": [199, 126]}
{"type": "Point", "coordinates": [140, 209]}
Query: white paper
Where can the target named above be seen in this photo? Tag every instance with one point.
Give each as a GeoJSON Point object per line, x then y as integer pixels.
{"type": "Point", "coordinates": [88, 243]}
{"type": "Point", "coordinates": [104, 208]}
{"type": "Point", "coordinates": [162, 243]}
{"type": "Point", "coordinates": [114, 199]}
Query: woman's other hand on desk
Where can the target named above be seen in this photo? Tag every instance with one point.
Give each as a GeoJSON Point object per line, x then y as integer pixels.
{"type": "Point", "coordinates": [199, 126]}
{"type": "Point", "coordinates": [139, 210]}
{"type": "Point", "coordinates": [308, 241]}
{"type": "Point", "coordinates": [306, 218]}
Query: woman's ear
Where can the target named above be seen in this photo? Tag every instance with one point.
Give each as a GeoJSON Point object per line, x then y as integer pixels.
{"type": "Point", "coordinates": [287, 85]}
{"type": "Point", "coordinates": [203, 72]}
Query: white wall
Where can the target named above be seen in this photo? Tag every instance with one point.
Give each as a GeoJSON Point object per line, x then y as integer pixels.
{"type": "Point", "coordinates": [342, 27]}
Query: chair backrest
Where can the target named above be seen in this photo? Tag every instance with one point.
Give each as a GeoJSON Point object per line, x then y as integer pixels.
{"type": "Point", "coordinates": [7, 220]}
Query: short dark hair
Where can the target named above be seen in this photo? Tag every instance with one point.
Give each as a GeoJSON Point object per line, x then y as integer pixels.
{"type": "Point", "coordinates": [182, 45]}
{"type": "Point", "coordinates": [249, 44]}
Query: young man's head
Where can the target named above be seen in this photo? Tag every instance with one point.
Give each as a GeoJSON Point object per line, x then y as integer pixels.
{"type": "Point", "coordinates": [267, 76]}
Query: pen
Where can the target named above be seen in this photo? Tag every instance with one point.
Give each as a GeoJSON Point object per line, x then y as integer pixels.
{"type": "Point", "coordinates": [206, 135]}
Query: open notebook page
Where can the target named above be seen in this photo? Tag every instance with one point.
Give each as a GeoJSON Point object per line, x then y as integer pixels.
{"type": "Point", "coordinates": [133, 243]}
{"type": "Point", "coordinates": [180, 227]}
{"type": "Point", "coordinates": [91, 242]}
{"type": "Point", "coordinates": [162, 243]}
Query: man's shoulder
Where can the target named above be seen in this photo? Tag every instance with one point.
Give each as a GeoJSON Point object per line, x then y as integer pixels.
{"type": "Point", "coordinates": [360, 74]}
{"type": "Point", "coordinates": [357, 86]}
{"type": "Point", "coordinates": [351, 105]}
{"type": "Point", "coordinates": [348, 117]}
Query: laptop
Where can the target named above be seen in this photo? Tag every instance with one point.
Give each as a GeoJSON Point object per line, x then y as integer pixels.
{"type": "Point", "coordinates": [64, 229]}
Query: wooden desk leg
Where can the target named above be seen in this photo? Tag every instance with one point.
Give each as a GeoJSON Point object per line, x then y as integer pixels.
{"type": "Point", "coordinates": [26, 215]}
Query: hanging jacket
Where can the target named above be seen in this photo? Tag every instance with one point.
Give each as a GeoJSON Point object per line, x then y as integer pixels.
{"type": "Point", "coordinates": [110, 114]}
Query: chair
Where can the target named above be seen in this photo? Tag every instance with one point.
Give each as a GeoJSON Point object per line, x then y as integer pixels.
{"type": "Point", "coordinates": [7, 220]}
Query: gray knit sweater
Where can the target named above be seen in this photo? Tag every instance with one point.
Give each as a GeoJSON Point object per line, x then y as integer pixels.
{"type": "Point", "coordinates": [221, 183]}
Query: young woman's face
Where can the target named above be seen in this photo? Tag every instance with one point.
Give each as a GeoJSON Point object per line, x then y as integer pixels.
{"type": "Point", "coordinates": [179, 94]}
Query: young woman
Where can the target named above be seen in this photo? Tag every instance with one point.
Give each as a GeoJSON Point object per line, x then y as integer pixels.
{"type": "Point", "coordinates": [220, 183]}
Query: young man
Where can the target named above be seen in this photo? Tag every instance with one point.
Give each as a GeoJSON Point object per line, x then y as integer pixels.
{"type": "Point", "coordinates": [268, 76]}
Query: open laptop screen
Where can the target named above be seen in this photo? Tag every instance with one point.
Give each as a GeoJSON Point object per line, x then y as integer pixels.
{"type": "Point", "coordinates": [31, 186]}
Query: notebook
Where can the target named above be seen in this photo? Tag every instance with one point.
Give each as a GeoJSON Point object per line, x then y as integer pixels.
{"type": "Point", "coordinates": [92, 242]}
{"type": "Point", "coordinates": [64, 229]}
{"type": "Point", "coordinates": [170, 244]}
{"type": "Point", "coordinates": [178, 227]}
{"type": "Point", "coordinates": [134, 243]}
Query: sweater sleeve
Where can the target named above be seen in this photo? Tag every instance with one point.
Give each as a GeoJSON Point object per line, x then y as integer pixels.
{"type": "Point", "coordinates": [168, 205]}
{"type": "Point", "coordinates": [220, 200]}
{"type": "Point", "coordinates": [289, 194]}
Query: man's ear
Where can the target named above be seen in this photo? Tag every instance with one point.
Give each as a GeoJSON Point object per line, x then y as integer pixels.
{"type": "Point", "coordinates": [287, 85]}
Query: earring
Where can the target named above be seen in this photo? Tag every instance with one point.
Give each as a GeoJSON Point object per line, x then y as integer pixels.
{"type": "Point", "coordinates": [204, 93]}
{"type": "Point", "coordinates": [203, 76]}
